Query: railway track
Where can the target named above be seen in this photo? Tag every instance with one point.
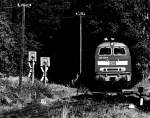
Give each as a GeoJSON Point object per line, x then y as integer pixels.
{"type": "Point", "coordinates": [36, 110]}
{"type": "Point", "coordinates": [84, 102]}
{"type": "Point", "coordinates": [75, 104]}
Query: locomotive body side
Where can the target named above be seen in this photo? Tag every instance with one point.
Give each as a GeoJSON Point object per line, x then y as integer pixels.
{"type": "Point", "coordinates": [112, 62]}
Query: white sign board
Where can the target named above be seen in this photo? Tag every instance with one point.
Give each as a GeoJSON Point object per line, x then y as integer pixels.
{"type": "Point", "coordinates": [43, 101]}
{"type": "Point", "coordinates": [45, 61]}
{"type": "Point", "coordinates": [32, 56]}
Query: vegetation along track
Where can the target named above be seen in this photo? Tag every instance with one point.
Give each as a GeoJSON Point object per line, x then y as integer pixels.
{"type": "Point", "coordinates": [77, 105]}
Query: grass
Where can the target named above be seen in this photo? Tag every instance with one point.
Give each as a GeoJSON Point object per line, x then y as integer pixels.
{"type": "Point", "coordinates": [110, 111]}
{"type": "Point", "coordinates": [65, 111]}
{"type": "Point", "coordinates": [53, 93]}
{"type": "Point", "coordinates": [102, 110]}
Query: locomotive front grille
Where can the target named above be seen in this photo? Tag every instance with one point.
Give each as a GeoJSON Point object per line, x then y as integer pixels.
{"type": "Point", "coordinates": [112, 69]}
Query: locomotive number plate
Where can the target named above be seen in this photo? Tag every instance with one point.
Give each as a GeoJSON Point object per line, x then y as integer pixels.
{"type": "Point", "coordinates": [112, 62]}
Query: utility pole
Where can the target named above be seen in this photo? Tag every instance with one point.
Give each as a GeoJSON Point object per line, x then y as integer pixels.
{"type": "Point", "coordinates": [23, 5]}
{"type": "Point", "coordinates": [80, 14]}
{"type": "Point", "coordinates": [147, 19]}
{"type": "Point", "coordinates": [146, 15]}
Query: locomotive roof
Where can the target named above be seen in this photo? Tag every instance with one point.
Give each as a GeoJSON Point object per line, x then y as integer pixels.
{"type": "Point", "coordinates": [107, 44]}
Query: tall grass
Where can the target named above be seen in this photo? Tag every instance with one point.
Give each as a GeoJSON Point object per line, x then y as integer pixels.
{"type": "Point", "coordinates": [65, 111]}
{"type": "Point", "coordinates": [103, 110]}
{"type": "Point", "coordinates": [91, 109]}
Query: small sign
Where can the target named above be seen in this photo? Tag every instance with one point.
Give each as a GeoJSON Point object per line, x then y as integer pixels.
{"type": "Point", "coordinates": [141, 101]}
{"type": "Point", "coordinates": [32, 56]}
{"type": "Point", "coordinates": [43, 101]}
{"type": "Point", "coordinates": [45, 61]}
{"type": "Point", "coordinates": [131, 106]}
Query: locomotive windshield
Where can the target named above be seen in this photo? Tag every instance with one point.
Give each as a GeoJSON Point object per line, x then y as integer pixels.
{"type": "Point", "coordinates": [105, 51]}
{"type": "Point", "coordinates": [119, 51]}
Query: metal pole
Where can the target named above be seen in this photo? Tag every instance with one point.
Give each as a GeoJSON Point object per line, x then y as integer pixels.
{"type": "Point", "coordinates": [33, 63]}
{"type": "Point", "coordinates": [22, 42]}
{"type": "Point", "coordinates": [80, 44]}
{"type": "Point", "coordinates": [22, 47]}
{"type": "Point", "coordinates": [81, 14]}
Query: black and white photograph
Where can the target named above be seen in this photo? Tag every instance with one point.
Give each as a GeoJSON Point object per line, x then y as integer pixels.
{"type": "Point", "coordinates": [74, 58]}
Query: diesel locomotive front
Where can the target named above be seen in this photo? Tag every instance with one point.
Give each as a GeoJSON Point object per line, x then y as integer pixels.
{"type": "Point", "coordinates": [113, 63]}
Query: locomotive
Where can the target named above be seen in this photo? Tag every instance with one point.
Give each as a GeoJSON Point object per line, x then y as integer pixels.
{"type": "Point", "coordinates": [113, 64]}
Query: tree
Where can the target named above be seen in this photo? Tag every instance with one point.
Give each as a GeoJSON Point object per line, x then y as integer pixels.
{"type": "Point", "coordinates": [7, 45]}
{"type": "Point", "coordinates": [10, 34]}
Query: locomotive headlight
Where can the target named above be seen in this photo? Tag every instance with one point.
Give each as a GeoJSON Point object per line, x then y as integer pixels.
{"type": "Point", "coordinates": [122, 69]}
{"type": "Point", "coordinates": [121, 62]}
{"type": "Point", "coordinates": [102, 69]}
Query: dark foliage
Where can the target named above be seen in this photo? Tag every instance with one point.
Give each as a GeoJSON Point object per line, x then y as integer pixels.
{"type": "Point", "coordinates": [10, 35]}
{"type": "Point", "coordinates": [54, 24]}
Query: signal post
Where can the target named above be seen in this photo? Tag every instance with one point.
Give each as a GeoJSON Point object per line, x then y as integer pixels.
{"type": "Point", "coordinates": [45, 64]}
{"type": "Point", "coordinates": [32, 58]}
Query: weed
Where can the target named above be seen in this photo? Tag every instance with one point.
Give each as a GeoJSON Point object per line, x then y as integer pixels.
{"type": "Point", "coordinates": [65, 111]}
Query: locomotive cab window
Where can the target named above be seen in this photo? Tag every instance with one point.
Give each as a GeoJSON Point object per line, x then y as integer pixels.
{"type": "Point", "coordinates": [119, 51]}
{"type": "Point", "coordinates": [105, 51]}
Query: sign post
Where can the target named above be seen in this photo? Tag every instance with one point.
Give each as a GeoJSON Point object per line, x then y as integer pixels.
{"type": "Point", "coordinates": [23, 5]}
{"type": "Point", "coordinates": [80, 14]}
{"type": "Point", "coordinates": [31, 61]}
{"type": "Point", "coordinates": [45, 64]}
